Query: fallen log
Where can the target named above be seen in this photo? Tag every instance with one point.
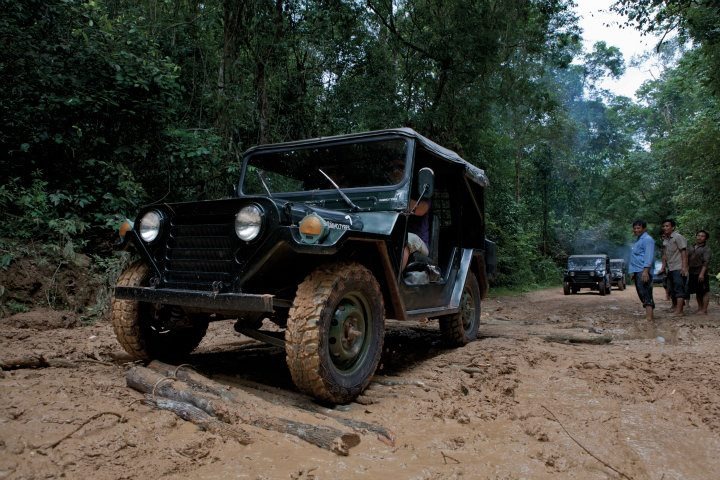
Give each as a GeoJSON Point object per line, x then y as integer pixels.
{"type": "Point", "coordinates": [206, 384]}
{"type": "Point", "coordinates": [599, 340]}
{"type": "Point", "coordinates": [32, 360]}
{"type": "Point", "coordinates": [148, 381]}
{"type": "Point", "coordinates": [200, 418]}
{"type": "Point", "coordinates": [35, 360]}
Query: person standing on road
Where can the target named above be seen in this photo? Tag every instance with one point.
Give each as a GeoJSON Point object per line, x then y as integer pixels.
{"type": "Point", "coordinates": [699, 280]}
{"type": "Point", "coordinates": [675, 264]}
{"type": "Point", "coordinates": [642, 258]}
{"type": "Point", "coordinates": [665, 280]}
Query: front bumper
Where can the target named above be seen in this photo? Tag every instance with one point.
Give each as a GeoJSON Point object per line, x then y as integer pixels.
{"type": "Point", "coordinates": [210, 301]}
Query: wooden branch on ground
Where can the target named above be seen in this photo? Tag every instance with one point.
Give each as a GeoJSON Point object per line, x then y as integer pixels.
{"type": "Point", "coordinates": [601, 340]}
{"type": "Point", "coordinates": [238, 411]}
{"type": "Point", "coordinates": [205, 384]}
{"type": "Point", "coordinates": [200, 418]}
{"type": "Point", "coordinates": [28, 361]}
{"type": "Point", "coordinates": [36, 360]}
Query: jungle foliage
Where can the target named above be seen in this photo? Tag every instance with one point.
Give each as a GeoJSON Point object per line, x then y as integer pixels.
{"type": "Point", "coordinates": [110, 104]}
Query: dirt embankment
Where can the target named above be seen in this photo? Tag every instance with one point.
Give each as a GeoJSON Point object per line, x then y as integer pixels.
{"type": "Point", "coordinates": [511, 405]}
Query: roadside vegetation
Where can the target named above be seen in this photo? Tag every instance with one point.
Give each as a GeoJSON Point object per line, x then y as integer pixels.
{"type": "Point", "coordinates": [111, 104]}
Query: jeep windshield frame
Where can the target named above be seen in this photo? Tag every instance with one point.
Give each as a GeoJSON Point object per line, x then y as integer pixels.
{"type": "Point", "coordinates": [361, 165]}
{"type": "Point", "coordinates": [586, 262]}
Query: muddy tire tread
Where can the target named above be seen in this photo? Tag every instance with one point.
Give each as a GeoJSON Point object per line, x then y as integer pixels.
{"type": "Point", "coordinates": [125, 318]}
{"type": "Point", "coordinates": [451, 326]}
{"type": "Point", "coordinates": [124, 313]}
{"type": "Point", "coordinates": [302, 335]}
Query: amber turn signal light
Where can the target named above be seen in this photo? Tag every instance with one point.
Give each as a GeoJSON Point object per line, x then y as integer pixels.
{"type": "Point", "coordinates": [125, 227]}
{"type": "Point", "coordinates": [313, 228]}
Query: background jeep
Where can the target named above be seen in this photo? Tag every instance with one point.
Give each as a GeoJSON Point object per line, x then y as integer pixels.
{"type": "Point", "coordinates": [617, 273]}
{"type": "Point", "coordinates": [313, 241]}
{"type": "Point", "coordinates": [587, 271]}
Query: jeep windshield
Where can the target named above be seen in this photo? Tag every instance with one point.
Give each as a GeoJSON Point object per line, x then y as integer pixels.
{"type": "Point", "coordinates": [366, 164]}
{"type": "Point", "coordinates": [586, 263]}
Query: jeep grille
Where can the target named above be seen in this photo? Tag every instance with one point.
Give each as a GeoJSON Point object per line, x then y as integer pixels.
{"type": "Point", "coordinates": [584, 277]}
{"type": "Point", "coordinates": [200, 253]}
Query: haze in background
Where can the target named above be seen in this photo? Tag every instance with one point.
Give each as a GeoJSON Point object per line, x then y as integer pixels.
{"type": "Point", "coordinates": [599, 24]}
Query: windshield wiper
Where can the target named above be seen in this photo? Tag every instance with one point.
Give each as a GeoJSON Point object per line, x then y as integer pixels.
{"type": "Point", "coordinates": [350, 203]}
{"type": "Point", "coordinates": [262, 180]}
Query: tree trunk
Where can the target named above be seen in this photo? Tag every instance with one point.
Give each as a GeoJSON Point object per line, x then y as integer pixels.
{"type": "Point", "coordinates": [239, 411]}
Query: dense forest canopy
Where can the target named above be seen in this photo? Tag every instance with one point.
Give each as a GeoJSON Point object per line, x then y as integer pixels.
{"type": "Point", "coordinates": [109, 104]}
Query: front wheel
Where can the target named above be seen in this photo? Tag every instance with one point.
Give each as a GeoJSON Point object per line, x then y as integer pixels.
{"type": "Point", "coordinates": [148, 331]}
{"type": "Point", "coordinates": [566, 288]}
{"type": "Point", "coordinates": [335, 331]}
{"type": "Point", "coordinates": [462, 328]}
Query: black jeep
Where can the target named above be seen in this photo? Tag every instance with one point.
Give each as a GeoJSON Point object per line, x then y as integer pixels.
{"type": "Point", "coordinates": [313, 240]}
{"type": "Point", "coordinates": [617, 273]}
{"type": "Point", "coordinates": [587, 271]}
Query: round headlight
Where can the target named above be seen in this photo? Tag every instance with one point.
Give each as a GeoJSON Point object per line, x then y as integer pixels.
{"type": "Point", "coordinates": [150, 226]}
{"type": "Point", "coordinates": [248, 222]}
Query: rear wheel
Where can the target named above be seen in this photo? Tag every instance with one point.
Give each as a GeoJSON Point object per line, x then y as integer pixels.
{"type": "Point", "coordinates": [148, 330]}
{"type": "Point", "coordinates": [462, 328]}
{"type": "Point", "coordinates": [335, 332]}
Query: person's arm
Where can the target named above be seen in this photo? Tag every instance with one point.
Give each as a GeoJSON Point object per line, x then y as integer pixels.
{"type": "Point", "coordinates": [648, 259]}
{"type": "Point", "coordinates": [420, 208]}
{"type": "Point", "coordinates": [663, 257]}
{"type": "Point", "coordinates": [706, 262]}
{"type": "Point", "coordinates": [682, 246]}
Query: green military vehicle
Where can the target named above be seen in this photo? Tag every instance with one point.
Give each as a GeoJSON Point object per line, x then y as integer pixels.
{"type": "Point", "coordinates": [313, 240]}
{"type": "Point", "coordinates": [587, 271]}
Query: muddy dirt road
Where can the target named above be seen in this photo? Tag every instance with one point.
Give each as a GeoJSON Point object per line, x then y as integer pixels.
{"type": "Point", "coordinates": [510, 406]}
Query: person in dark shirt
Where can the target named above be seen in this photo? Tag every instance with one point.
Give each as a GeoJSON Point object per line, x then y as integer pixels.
{"type": "Point", "coordinates": [698, 262]}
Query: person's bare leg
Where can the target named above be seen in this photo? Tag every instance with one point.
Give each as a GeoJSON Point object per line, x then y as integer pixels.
{"type": "Point", "coordinates": [406, 256]}
{"type": "Point", "coordinates": [649, 313]}
{"type": "Point", "coordinates": [699, 298]}
{"type": "Point", "coordinates": [702, 308]}
{"type": "Point", "coordinates": [680, 306]}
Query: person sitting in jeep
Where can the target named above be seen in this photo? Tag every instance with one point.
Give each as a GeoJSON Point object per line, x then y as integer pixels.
{"type": "Point", "coordinates": [418, 230]}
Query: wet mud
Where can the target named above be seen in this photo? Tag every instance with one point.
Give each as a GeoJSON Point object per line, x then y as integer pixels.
{"type": "Point", "coordinates": [529, 399]}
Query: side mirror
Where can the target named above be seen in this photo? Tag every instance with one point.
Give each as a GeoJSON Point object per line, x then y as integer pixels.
{"type": "Point", "coordinates": [426, 182]}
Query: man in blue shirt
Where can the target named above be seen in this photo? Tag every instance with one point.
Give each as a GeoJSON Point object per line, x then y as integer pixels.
{"type": "Point", "coordinates": [642, 257]}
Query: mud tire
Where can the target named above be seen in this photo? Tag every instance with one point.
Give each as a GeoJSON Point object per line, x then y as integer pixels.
{"type": "Point", "coordinates": [566, 288]}
{"type": "Point", "coordinates": [462, 328]}
{"type": "Point", "coordinates": [602, 288]}
{"type": "Point", "coordinates": [322, 360]}
{"type": "Point", "coordinates": [133, 323]}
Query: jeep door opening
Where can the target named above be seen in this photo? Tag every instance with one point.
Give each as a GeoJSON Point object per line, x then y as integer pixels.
{"type": "Point", "coordinates": [313, 240]}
